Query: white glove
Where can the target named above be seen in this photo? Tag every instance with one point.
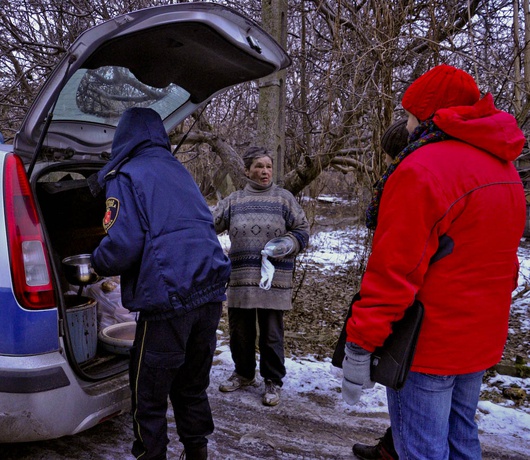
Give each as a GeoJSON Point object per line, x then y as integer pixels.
{"type": "Point", "coordinates": [267, 272]}
{"type": "Point", "coordinates": [356, 373]}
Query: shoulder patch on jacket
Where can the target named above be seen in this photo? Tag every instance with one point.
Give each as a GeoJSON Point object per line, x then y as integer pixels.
{"type": "Point", "coordinates": [111, 213]}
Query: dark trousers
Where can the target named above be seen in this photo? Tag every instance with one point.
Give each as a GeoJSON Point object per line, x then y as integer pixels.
{"type": "Point", "coordinates": [242, 325]}
{"type": "Point", "coordinates": [173, 357]}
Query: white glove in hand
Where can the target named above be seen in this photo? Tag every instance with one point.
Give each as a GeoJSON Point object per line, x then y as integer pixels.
{"type": "Point", "coordinates": [267, 272]}
{"type": "Point", "coordinates": [356, 373]}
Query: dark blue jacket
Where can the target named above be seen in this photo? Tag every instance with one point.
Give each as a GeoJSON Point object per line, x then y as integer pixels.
{"type": "Point", "coordinates": [160, 234]}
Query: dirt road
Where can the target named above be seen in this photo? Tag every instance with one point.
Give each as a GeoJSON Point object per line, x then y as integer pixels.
{"type": "Point", "coordinates": [311, 423]}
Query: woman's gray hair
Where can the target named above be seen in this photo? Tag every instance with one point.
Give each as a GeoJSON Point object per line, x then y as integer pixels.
{"type": "Point", "coordinates": [253, 153]}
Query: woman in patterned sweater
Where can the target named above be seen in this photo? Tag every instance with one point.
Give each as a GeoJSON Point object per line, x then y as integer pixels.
{"type": "Point", "coordinates": [252, 217]}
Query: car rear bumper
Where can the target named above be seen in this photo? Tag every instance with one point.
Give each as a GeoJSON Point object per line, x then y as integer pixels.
{"type": "Point", "coordinates": [33, 381]}
{"type": "Point", "coordinates": [43, 408]}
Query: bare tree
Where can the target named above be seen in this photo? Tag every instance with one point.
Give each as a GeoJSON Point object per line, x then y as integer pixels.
{"type": "Point", "coordinates": [35, 34]}
{"type": "Point", "coordinates": [352, 61]}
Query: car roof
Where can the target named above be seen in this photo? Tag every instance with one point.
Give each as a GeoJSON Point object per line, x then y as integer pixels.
{"type": "Point", "coordinates": [172, 58]}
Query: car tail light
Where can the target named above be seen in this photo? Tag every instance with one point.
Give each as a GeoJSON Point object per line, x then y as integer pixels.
{"type": "Point", "coordinates": [30, 266]}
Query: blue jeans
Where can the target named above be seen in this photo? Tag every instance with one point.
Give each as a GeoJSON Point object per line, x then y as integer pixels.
{"type": "Point", "coordinates": [433, 417]}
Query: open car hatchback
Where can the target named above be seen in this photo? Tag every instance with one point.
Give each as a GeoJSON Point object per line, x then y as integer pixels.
{"type": "Point", "coordinates": [56, 377]}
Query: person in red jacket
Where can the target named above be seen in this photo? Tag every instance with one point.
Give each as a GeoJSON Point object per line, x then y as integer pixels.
{"type": "Point", "coordinates": [448, 217]}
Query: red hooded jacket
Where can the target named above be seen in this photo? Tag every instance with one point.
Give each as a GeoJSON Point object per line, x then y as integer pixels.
{"type": "Point", "coordinates": [449, 225]}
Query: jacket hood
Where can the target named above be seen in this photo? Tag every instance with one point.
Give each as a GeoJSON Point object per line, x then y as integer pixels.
{"type": "Point", "coordinates": [138, 129]}
{"type": "Point", "coordinates": [484, 126]}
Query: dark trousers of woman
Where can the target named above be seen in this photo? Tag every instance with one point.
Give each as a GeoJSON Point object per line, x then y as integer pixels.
{"type": "Point", "coordinates": [243, 332]}
{"type": "Point", "coordinates": [173, 357]}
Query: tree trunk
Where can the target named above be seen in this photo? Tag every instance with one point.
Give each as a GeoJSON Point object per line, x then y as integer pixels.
{"type": "Point", "coordinates": [271, 110]}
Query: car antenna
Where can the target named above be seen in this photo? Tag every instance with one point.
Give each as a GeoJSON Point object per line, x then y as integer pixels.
{"type": "Point", "coordinates": [48, 120]}
{"type": "Point", "coordinates": [175, 150]}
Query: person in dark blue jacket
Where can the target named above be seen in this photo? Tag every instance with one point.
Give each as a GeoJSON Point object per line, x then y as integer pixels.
{"type": "Point", "coordinates": [161, 241]}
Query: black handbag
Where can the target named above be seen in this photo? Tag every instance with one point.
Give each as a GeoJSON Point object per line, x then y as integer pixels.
{"type": "Point", "coordinates": [390, 363]}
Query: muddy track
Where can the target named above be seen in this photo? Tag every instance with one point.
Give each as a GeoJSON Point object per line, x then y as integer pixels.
{"type": "Point", "coordinates": [305, 426]}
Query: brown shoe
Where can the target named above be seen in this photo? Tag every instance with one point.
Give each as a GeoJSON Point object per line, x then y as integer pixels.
{"type": "Point", "coordinates": [383, 450]}
{"type": "Point", "coordinates": [197, 453]}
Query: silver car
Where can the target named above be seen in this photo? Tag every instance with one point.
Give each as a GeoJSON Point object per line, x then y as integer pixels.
{"type": "Point", "coordinates": [55, 377]}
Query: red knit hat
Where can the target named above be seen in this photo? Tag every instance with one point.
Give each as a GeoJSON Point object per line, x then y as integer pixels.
{"type": "Point", "coordinates": [441, 87]}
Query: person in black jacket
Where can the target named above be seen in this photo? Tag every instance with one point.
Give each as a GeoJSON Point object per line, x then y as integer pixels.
{"type": "Point", "coordinates": [161, 241]}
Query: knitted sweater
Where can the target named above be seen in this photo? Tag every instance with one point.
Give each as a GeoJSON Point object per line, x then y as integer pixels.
{"type": "Point", "coordinates": [252, 217]}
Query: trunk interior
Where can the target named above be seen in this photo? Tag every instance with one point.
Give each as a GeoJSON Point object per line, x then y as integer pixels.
{"type": "Point", "coordinates": [72, 219]}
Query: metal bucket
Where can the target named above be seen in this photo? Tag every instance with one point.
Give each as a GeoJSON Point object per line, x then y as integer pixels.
{"type": "Point", "coordinates": [81, 317]}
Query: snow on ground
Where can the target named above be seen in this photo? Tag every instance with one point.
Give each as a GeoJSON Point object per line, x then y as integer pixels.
{"type": "Point", "coordinates": [336, 248]}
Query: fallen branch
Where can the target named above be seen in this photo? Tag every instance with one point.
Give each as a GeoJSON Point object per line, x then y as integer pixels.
{"type": "Point", "coordinates": [521, 293]}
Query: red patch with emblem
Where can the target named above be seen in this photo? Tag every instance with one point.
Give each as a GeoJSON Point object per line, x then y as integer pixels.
{"type": "Point", "coordinates": [111, 213]}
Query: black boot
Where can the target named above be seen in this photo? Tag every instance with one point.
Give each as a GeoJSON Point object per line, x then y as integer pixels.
{"type": "Point", "coordinates": [195, 453]}
{"type": "Point", "coordinates": [383, 450]}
